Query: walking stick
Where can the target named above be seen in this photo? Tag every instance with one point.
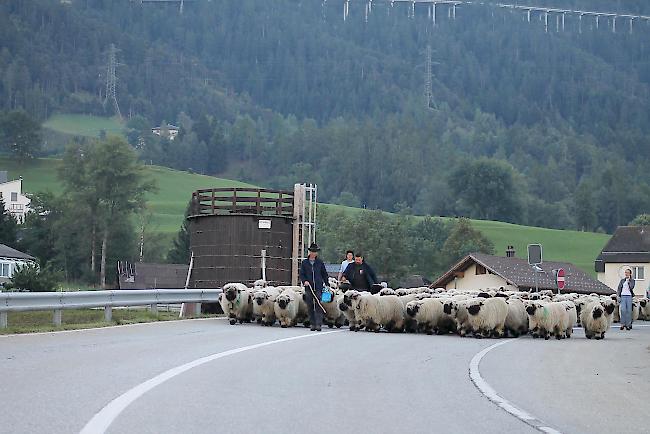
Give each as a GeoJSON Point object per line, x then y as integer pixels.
{"type": "Point", "coordinates": [316, 298]}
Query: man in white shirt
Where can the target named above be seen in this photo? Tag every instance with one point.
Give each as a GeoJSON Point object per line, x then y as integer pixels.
{"type": "Point", "coordinates": [349, 258]}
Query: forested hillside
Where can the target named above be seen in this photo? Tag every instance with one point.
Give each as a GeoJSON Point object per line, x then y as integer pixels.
{"type": "Point", "coordinates": [546, 129]}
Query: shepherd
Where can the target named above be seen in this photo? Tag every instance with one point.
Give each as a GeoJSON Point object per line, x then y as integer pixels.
{"type": "Point", "coordinates": [313, 276]}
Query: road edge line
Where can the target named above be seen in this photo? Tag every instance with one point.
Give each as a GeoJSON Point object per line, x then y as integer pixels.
{"type": "Point", "coordinates": [491, 394]}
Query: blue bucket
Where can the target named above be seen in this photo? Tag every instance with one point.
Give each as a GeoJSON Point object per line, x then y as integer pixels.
{"type": "Point", "coordinates": [326, 296]}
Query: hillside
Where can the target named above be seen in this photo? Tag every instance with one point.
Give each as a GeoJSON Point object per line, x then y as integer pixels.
{"type": "Point", "coordinates": [83, 125]}
{"type": "Point", "coordinates": [175, 188]}
{"type": "Point", "coordinates": [288, 90]}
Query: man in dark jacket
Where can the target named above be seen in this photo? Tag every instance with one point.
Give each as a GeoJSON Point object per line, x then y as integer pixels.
{"type": "Point", "coordinates": [313, 276]}
{"type": "Point", "coordinates": [360, 275]}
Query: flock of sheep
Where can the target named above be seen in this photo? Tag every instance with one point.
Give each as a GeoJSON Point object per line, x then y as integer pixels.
{"type": "Point", "coordinates": [482, 314]}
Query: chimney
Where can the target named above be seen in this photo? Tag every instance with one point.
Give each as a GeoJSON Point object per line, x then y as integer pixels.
{"type": "Point", "coordinates": [510, 252]}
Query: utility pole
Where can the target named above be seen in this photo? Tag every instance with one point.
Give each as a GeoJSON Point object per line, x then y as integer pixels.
{"type": "Point", "coordinates": [111, 80]}
{"type": "Point", "coordinates": [428, 78]}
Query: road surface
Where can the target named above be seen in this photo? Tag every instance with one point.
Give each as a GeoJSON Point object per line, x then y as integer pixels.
{"type": "Point", "coordinates": [205, 376]}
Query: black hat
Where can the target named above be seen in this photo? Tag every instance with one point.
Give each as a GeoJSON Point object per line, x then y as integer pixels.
{"type": "Point", "coordinates": [314, 248]}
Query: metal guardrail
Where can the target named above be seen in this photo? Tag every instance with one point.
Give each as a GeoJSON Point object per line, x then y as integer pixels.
{"type": "Point", "coordinates": [60, 301]}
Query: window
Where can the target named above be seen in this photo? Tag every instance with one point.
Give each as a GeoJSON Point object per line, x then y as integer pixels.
{"type": "Point", "coordinates": [638, 273]}
{"type": "Point", "coordinates": [480, 269]}
{"type": "Point", "coordinates": [5, 269]}
{"type": "Point", "coordinates": [14, 196]}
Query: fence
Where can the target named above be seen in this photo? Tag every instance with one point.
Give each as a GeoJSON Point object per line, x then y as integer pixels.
{"type": "Point", "coordinates": [60, 301]}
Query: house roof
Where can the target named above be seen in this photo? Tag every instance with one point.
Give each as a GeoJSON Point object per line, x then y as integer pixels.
{"type": "Point", "coordinates": [332, 268]}
{"type": "Point", "coordinates": [517, 272]}
{"type": "Point", "coordinates": [628, 244]}
{"type": "Point", "coordinates": [8, 252]}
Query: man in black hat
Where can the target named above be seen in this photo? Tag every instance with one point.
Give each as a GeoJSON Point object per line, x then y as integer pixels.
{"type": "Point", "coordinates": [313, 276]}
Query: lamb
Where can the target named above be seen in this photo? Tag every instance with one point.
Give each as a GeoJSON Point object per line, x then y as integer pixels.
{"type": "Point", "coordinates": [549, 318]}
{"type": "Point", "coordinates": [487, 317]}
{"type": "Point", "coordinates": [517, 318]}
{"type": "Point", "coordinates": [287, 308]}
{"type": "Point", "coordinates": [594, 320]}
{"type": "Point", "coordinates": [263, 305]}
{"type": "Point", "coordinates": [376, 312]}
{"type": "Point", "coordinates": [427, 313]}
{"type": "Point", "coordinates": [237, 303]}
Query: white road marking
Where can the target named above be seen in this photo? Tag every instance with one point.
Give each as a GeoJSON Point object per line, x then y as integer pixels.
{"type": "Point", "coordinates": [102, 420]}
{"type": "Point", "coordinates": [492, 395]}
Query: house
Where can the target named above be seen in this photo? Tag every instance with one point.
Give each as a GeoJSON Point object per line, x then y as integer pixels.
{"type": "Point", "coordinates": [140, 275]}
{"type": "Point", "coordinates": [170, 131]}
{"type": "Point", "coordinates": [479, 271]}
{"type": "Point", "coordinates": [10, 259]}
{"type": "Point", "coordinates": [629, 247]}
{"type": "Point", "coordinates": [11, 192]}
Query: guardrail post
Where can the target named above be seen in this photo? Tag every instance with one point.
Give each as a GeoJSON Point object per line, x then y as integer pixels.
{"type": "Point", "coordinates": [154, 309]}
{"type": "Point", "coordinates": [57, 317]}
{"type": "Point", "coordinates": [197, 309]}
{"type": "Point", "coordinates": [108, 313]}
{"type": "Point", "coordinates": [3, 320]}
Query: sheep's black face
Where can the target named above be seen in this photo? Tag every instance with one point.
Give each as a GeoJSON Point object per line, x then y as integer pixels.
{"type": "Point", "coordinates": [446, 308]}
{"type": "Point", "coordinates": [343, 306]}
{"type": "Point", "coordinates": [610, 308]}
{"type": "Point", "coordinates": [483, 295]}
{"type": "Point", "coordinates": [597, 313]}
{"type": "Point", "coordinates": [283, 303]}
{"type": "Point", "coordinates": [412, 310]}
{"type": "Point", "coordinates": [259, 301]}
{"type": "Point", "coordinates": [643, 303]}
{"type": "Point", "coordinates": [474, 309]}
{"type": "Point", "coordinates": [531, 308]}
{"type": "Point", "coordinates": [231, 294]}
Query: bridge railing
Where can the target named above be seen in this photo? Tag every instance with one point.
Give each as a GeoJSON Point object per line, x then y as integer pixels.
{"type": "Point", "coordinates": [60, 301]}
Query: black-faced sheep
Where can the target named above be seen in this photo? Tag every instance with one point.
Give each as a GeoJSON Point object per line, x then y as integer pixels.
{"type": "Point", "coordinates": [237, 303]}
{"type": "Point", "coordinates": [594, 321]}
{"type": "Point", "coordinates": [487, 317]}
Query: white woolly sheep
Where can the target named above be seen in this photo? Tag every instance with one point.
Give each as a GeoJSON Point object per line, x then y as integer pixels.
{"type": "Point", "coordinates": [594, 321]}
{"type": "Point", "coordinates": [263, 305]}
{"type": "Point", "coordinates": [487, 317]}
{"type": "Point", "coordinates": [287, 308]}
{"type": "Point", "coordinates": [376, 312]}
{"type": "Point", "coordinates": [236, 303]}
{"type": "Point", "coordinates": [517, 318]}
{"type": "Point", "coordinates": [427, 313]}
{"type": "Point", "coordinates": [571, 318]}
{"type": "Point", "coordinates": [549, 318]}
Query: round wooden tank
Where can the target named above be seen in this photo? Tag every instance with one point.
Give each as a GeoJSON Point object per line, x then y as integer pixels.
{"type": "Point", "coordinates": [229, 228]}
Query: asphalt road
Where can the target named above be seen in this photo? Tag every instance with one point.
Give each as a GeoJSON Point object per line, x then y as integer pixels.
{"type": "Point", "coordinates": [343, 381]}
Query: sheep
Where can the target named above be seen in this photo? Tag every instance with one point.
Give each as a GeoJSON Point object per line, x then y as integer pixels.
{"type": "Point", "coordinates": [594, 320]}
{"type": "Point", "coordinates": [517, 318]}
{"type": "Point", "coordinates": [458, 311]}
{"type": "Point", "coordinates": [610, 308]}
{"type": "Point", "coordinates": [237, 303]}
{"type": "Point", "coordinates": [288, 309]}
{"type": "Point", "coordinates": [427, 313]}
{"type": "Point", "coordinates": [487, 317]}
{"type": "Point", "coordinates": [259, 284]}
{"type": "Point", "coordinates": [571, 317]}
{"type": "Point", "coordinates": [348, 307]}
{"type": "Point", "coordinates": [263, 305]}
{"type": "Point", "coordinates": [376, 312]}
{"type": "Point", "coordinates": [644, 309]}
{"type": "Point", "coordinates": [333, 315]}
{"type": "Point", "coordinates": [387, 291]}
{"type": "Point", "coordinates": [547, 318]}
